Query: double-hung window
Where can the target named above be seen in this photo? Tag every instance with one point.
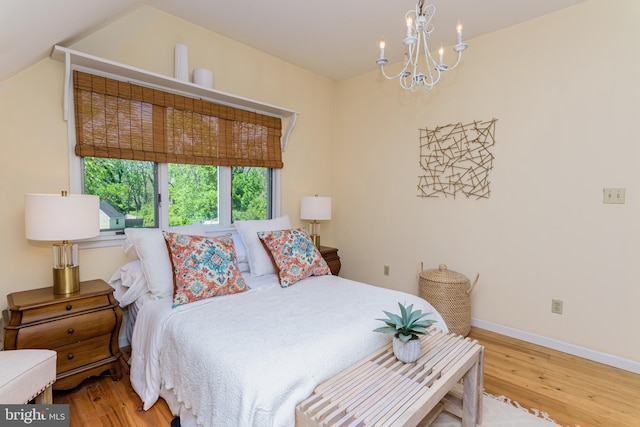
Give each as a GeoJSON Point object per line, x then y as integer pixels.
{"type": "Point", "coordinates": [159, 159]}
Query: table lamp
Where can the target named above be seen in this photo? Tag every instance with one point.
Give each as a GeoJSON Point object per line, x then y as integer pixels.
{"type": "Point", "coordinates": [316, 209]}
{"type": "Point", "coordinates": [61, 218]}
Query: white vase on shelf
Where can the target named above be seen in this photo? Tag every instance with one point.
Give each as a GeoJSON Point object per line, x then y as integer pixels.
{"type": "Point", "coordinates": [203, 77]}
{"type": "Point", "coordinates": [181, 67]}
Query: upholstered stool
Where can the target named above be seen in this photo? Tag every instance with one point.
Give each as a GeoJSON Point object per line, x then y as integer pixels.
{"type": "Point", "coordinates": [27, 374]}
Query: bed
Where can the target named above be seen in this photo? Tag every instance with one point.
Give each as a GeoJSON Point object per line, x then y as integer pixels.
{"type": "Point", "coordinates": [247, 358]}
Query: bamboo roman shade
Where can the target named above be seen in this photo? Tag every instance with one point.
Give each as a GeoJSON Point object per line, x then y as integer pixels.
{"type": "Point", "coordinates": [116, 119]}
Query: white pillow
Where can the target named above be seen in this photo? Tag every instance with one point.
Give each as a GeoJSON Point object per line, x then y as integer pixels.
{"type": "Point", "coordinates": [241, 249]}
{"type": "Point", "coordinates": [129, 283]}
{"type": "Point", "coordinates": [259, 259]}
{"type": "Point", "coordinates": [244, 267]}
{"type": "Point", "coordinates": [152, 250]}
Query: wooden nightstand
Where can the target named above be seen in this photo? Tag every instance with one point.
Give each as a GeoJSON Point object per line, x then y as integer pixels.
{"type": "Point", "coordinates": [330, 255]}
{"type": "Point", "coordinates": [81, 327]}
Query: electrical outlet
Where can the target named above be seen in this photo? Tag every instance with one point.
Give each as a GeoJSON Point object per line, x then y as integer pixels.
{"type": "Point", "coordinates": [556, 306]}
{"type": "Point", "coordinates": [386, 270]}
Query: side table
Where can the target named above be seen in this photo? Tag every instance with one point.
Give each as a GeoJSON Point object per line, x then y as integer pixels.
{"type": "Point", "coordinates": [330, 255]}
{"type": "Point", "coordinates": [81, 327]}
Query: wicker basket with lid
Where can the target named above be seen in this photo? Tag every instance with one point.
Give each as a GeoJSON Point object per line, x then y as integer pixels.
{"type": "Point", "coordinates": [449, 293]}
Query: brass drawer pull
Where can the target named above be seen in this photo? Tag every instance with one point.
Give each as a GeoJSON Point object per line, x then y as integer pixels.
{"type": "Point", "coordinates": [70, 356]}
{"type": "Point", "coordinates": [69, 307]}
{"type": "Point", "coordinates": [70, 331]}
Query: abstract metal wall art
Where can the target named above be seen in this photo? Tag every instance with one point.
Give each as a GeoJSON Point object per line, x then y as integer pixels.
{"type": "Point", "coordinates": [456, 159]}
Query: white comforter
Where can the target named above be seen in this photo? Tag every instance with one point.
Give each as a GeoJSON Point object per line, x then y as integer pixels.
{"type": "Point", "coordinates": [248, 359]}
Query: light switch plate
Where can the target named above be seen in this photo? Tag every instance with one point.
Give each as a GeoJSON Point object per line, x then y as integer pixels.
{"type": "Point", "coordinates": [613, 195]}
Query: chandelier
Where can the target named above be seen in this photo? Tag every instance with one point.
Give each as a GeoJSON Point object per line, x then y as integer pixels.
{"type": "Point", "coordinates": [416, 74]}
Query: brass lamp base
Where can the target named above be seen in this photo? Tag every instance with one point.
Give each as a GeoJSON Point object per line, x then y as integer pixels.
{"type": "Point", "coordinates": [315, 238]}
{"type": "Point", "coordinates": [66, 280]}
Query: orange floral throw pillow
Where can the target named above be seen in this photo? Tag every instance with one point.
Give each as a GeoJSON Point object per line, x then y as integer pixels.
{"type": "Point", "coordinates": [294, 255]}
{"type": "Point", "coordinates": [203, 267]}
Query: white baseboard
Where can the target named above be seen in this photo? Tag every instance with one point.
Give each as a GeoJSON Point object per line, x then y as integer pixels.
{"type": "Point", "coordinates": [575, 350]}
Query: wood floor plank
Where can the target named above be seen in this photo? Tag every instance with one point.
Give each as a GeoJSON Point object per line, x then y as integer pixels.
{"type": "Point", "coordinates": [103, 401]}
{"type": "Point", "coordinates": [572, 390]}
{"type": "Point", "coordinates": [528, 398]}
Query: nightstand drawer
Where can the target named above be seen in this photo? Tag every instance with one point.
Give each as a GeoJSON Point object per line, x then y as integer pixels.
{"type": "Point", "coordinates": [65, 308]}
{"type": "Point", "coordinates": [82, 353]}
{"type": "Point", "coordinates": [67, 330]}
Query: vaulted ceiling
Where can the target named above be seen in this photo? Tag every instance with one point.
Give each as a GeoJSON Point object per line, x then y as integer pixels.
{"type": "Point", "coordinates": [334, 38]}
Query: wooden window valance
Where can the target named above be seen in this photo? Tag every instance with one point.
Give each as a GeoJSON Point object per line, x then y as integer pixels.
{"type": "Point", "coordinates": [116, 119]}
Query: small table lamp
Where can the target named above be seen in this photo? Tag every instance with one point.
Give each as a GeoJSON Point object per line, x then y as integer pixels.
{"type": "Point", "coordinates": [316, 209]}
{"type": "Point", "coordinates": [61, 218]}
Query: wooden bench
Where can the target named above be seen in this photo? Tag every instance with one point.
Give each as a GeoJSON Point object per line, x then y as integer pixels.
{"type": "Point", "coordinates": [382, 391]}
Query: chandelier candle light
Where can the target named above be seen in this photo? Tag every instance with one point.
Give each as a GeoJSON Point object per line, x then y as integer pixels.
{"type": "Point", "coordinates": [415, 74]}
{"type": "Point", "coordinates": [61, 218]}
{"type": "Point", "coordinates": [316, 209]}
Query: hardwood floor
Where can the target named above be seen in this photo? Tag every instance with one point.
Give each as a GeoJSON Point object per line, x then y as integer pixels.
{"type": "Point", "coordinates": [100, 401]}
{"type": "Point", "coordinates": [573, 391]}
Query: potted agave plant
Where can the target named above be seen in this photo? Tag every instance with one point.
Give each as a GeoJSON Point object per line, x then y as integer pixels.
{"type": "Point", "coordinates": [406, 329]}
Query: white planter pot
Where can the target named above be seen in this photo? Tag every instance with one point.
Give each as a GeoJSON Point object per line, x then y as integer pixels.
{"type": "Point", "coordinates": [406, 352]}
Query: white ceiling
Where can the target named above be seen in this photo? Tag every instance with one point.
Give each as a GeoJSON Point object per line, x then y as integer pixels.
{"type": "Point", "coordinates": [334, 38]}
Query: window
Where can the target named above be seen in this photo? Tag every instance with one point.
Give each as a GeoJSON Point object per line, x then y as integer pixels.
{"type": "Point", "coordinates": [128, 192]}
{"type": "Point", "coordinates": [250, 195]}
{"type": "Point", "coordinates": [193, 194]}
{"type": "Point", "coordinates": [157, 158]}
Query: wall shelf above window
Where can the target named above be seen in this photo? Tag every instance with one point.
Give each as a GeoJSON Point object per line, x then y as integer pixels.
{"type": "Point", "coordinates": [75, 60]}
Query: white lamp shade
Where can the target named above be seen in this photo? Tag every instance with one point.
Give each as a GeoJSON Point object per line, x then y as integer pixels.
{"type": "Point", "coordinates": [53, 217]}
{"type": "Point", "coordinates": [315, 208]}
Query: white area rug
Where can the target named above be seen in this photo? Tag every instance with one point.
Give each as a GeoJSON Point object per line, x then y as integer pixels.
{"type": "Point", "coordinates": [498, 411]}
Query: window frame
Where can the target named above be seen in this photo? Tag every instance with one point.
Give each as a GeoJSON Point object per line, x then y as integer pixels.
{"type": "Point", "coordinates": [116, 238]}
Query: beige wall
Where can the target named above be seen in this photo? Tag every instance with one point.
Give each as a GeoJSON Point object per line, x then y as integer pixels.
{"type": "Point", "coordinates": [563, 88]}
{"type": "Point", "coordinates": [565, 91]}
{"type": "Point", "coordinates": [37, 160]}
